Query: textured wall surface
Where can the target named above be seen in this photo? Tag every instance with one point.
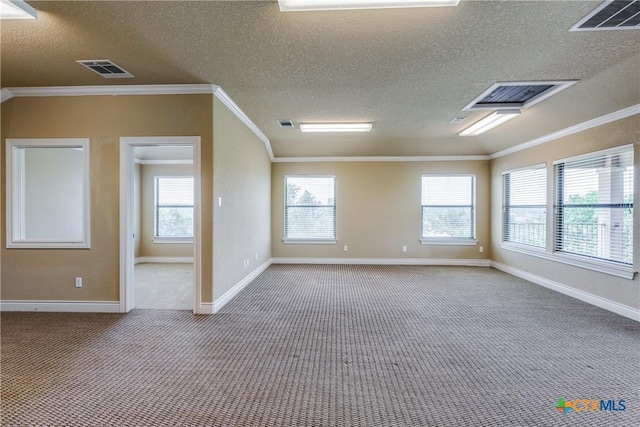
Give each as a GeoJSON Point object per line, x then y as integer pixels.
{"type": "Point", "coordinates": [242, 179]}
{"type": "Point", "coordinates": [378, 209]}
{"type": "Point", "coordinates": [49, 274]}
{"type": "Point", "coordinates": [623, 291]}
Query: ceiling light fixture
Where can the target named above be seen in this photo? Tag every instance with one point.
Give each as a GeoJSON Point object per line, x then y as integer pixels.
{"type": "Point", "coordinates": [309, 5]}
{"type": "Point", "coordinates": [492, 120]}
{"type": "Point", "coordinates": [335, 127]}
{"type": "Point", "coordinates": [16, 9]}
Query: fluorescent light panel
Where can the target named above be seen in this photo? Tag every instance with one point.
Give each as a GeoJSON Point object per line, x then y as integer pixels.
{"type": "Point", "coordinates": [309, 5]}
{"type": "Point", "coordinates": [492, 120]}
{"type": "Point", "coordinates": [16, 9]}
{"type": "Point", "coordinates": [335, 127]}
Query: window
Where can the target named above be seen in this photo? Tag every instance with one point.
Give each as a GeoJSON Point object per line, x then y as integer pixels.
{"type": "Point", "coordinates": [594, 206]}
{"type": "Point", "coordinates": [48, 193]}
{"type": "Point", "coordinates": [174, 208]}
{"type": "Point", "coordinates": [525, 206]}
{"type": "Point", "coordinates": [448, 209]}
{"type": "Point", "coordinates": [310, 209]}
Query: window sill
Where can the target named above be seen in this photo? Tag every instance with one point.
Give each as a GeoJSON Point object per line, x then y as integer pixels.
{"type": "Point", "coordinates": [165, 240]}
{"type": "Point", "coordinates": [309, 241]}
{"type": "Point", "coordinates": [449, 242]}
{"type": "Point", "coordinates": [613, 269]}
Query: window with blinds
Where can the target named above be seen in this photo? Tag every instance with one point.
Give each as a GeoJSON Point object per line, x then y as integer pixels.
{"type": "Point", "coordinates": [524, 218]}
{"type": "Point", "coordinates": [594, 206]}
{"type": "Point", "coordinates": [448, 208]}
{"type": "Point", "coordinates": [173, 207]}
{"type": "Point", "coordinates": [310, 208]}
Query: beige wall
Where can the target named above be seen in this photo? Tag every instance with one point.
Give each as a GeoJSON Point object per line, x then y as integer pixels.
{"type": "Point", "coordinates": [49, 274]}
{"type": "Point", "coordinates": [137, 217]}
{"type": "Point", "coordinates": [242, 178]}
{"type": "Point", "coordinates": [618, 133]}
{"type": "Point", "coordinates": [378, 209]}
{"type": "Point", "coordinates": [147, 247]}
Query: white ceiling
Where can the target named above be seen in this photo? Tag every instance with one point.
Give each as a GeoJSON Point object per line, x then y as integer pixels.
{"type": "Point", "coordinates": [409, 70]}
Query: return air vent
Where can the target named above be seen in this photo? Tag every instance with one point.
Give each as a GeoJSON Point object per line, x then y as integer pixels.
{"type": "Point", "coordinates": [285, 123]}
{"type": "Point", "coordinates": [106, 68]}
{"type": "Point", "coordinates": [611, 15]}
{"type": "Point", "coordinates": [518, 95]}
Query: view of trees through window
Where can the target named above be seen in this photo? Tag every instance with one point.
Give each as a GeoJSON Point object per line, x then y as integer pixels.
{"type": "Point", "coordinates": [595, 211]}
{"type": "Point", "coordinates": [448, 207]}
{"type": "Point", "coordinates": [174, 207]}
{"type": "Point", "coordinates": [310, 207]}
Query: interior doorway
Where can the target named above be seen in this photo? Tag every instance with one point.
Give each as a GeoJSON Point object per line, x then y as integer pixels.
{"type": "Point", "coordinates": [160, 215]}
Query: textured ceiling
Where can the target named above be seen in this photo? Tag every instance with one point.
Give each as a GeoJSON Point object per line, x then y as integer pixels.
{"type": "Point", "coordinates": [409, 70]}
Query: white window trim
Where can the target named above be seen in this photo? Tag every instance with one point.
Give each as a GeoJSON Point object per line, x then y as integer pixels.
{"type": "Point", "coordinates": [611, 268]}
{"type": "Point", "coordinates": [293, 241]}
{"type": "Point", "coordinates": [172, 240]}
{"type": "Point", "coordinates": [167, 239]}
{"type": "Point", "coordinates": [309, 241]}
{"type": "Point", "coordinates": [614, 150]}
{"type": "Point", "coordinates": [451, 241]}
{"type": "Point", "coordinates": [15, 196]}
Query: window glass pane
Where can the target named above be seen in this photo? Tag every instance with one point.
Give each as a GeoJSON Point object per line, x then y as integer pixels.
{"type": "Point", "coordinates": [595, 207]}
{"type": "Point", "coordinates": [448, 209]}
{"type": "Point", "coordinates": [310, 207]}
{"type": "Point", "coordinates": [174, 207]}
{"type": "Point", "coordinates": [525, 202]}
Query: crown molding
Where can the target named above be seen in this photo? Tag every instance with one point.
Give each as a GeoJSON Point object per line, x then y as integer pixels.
{"type": "Point", "coordinates": [179, 89]}
{"type": "Point", "coordinates": [194, 89]}
{"type": "Point", "coordinates": [5, 94]}
{"type": "Point", "coordinates": [599, 121]}
{"type": "Point", "coordinates": [381, 159]}
{"type": "Point", "coordinates": [231, 105]}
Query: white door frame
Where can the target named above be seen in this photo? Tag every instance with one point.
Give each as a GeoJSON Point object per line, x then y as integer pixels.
{"type": "Point", "coordinates": [127, 255]}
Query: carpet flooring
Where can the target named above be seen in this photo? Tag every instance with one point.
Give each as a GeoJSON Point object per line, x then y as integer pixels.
{"type": "Point", "coordinates": [163, 286]}
{"type": "Point", "coordinates": [322, 345]}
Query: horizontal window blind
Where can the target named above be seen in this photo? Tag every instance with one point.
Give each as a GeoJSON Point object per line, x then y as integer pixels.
{"type": "Point", "coordinates": [174, 207]}
{"type": "Point", "coordinates": [310, 207]}
{"type": "Point", "coordinates": [524, 217]}
{"type": "Point", "coordinates": [448, 207]}
{"type": "Point", "coordinates": [594, 206]}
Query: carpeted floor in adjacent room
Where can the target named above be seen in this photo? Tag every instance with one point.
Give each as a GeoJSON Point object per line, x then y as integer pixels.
{"type": "Point", "coordinates": [330, 346]}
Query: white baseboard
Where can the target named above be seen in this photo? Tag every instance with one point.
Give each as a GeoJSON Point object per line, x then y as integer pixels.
{"type": "Point", "coordinates": [205, 308]}
{"type": "Point", "coordinates": [606, 304]}
{"type": "Point", "coordinates": [61, 306]}
{"type": "Point", "coordinates": [385, 261]}
{"type": "Point", "coordinates": [224, 299]}
{"type": "Point", "coordinates": [165, 259]}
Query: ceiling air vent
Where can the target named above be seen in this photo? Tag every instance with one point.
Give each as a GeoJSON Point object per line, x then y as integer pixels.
{"type": "Point", "coordinates": [285, 123]}
{"type": "Point", "coordinates": [106, 68]}
{"type": "Point", "coordinates": [611, 15]}
{"type": "Point", "coordinates": [518, 95]}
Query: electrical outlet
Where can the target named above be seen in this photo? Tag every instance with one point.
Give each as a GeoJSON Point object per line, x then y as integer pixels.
{"type": "Point", "coordinates": [78, 282]}
{"type": "Point", "coordinates": [346, 248]}
{"type": "Point", "coordinates": [481, 249]}
{"type": "Point", "coordinates": [404, 249]}
{"type": "Point", "coordinates": [219, 201]}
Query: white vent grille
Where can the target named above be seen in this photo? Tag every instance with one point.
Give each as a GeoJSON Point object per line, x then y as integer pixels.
{"type": "Point", "coordinates": [285, 123]}
{"type": "Point", "coordinates": [519, 95]}
{"type": "Point", "coordinates": [106, 68]}
{"type": "Point", "coordinates": [612, 15]}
